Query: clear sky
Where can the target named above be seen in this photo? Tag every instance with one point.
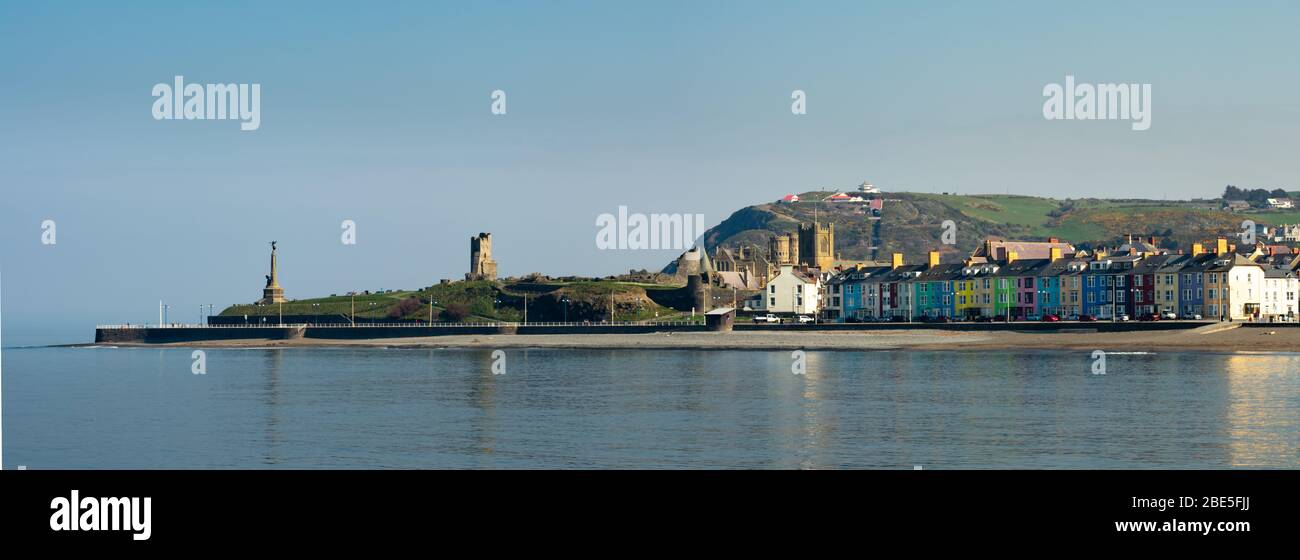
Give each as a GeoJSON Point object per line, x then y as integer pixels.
{"type": "Point", "coordinates": [380, 113]}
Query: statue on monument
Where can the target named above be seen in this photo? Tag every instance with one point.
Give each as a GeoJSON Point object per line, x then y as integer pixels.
{"type": "Point", "coordinates": [273, 293]}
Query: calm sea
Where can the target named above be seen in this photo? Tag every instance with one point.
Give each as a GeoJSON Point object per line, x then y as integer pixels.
{"type": "Point", "coordinates": [399, 408]}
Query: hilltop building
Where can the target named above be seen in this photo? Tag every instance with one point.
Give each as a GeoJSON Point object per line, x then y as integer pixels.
{"type": "Point", "coordinates": [272, 293]}
{"type": "Point", "coordinates": [481, 265]}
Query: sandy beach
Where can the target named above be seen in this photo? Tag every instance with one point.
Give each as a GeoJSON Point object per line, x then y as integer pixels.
{"type": "Point", "coordinates": [1211, 338]}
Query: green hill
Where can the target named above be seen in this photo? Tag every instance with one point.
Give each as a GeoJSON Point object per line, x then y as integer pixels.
{"type": "Point", "coordinates": [911, 223]}
{"type": "Point", "coordinates": [548, 300]}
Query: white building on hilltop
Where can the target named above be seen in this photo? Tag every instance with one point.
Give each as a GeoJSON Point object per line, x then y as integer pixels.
{"type": "Point", "coordinates": [867, 188]}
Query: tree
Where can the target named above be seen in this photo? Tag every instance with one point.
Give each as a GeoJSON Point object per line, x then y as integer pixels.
{"type": "Point", "coordinates": [455, 312]}
{"type": "Point", "coordinates": [404, 308]}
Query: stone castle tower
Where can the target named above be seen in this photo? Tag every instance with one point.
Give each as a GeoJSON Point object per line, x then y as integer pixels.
{"type": "Point", "coordinates": [784, 249]}
{"type": "Point", "coordinates": [272, 293]}
{"type": "Point", "coordinates": [481, 265]}
{"type": "Point", "coordinates": [817, 245]}
{"type": "Point", "coordinates": [813, 245]}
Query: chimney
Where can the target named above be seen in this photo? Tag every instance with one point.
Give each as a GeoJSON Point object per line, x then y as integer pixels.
{"type": "Point", "coordinates": [1221, 247]}
{"type": "Point", "coordinates": [1011, 256]}
{"type": "Point", "coordinates": [934, 259]}
{"type": "Point", "coordinates": [897, 260]}
{"type": "Point", "coordinates": [1198, 249]}
{"type": "Point", "coordinates": [1054, 253]}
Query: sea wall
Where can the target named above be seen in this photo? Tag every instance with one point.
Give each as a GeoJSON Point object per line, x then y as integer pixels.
{"type": "Point", "coordinates": [154, 335]}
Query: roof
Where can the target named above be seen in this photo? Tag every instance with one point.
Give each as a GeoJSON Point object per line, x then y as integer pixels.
{"type": "Point", "coordinates": [1022, 267]}
{"type": "Point", "coordinates": [990, 249]}
{"type": "Point", "coordinates": [737, 279]}
{"type": "Point", "coordinates": [722, 311]}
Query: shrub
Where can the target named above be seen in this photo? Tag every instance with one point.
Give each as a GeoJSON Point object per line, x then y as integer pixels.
{"type": "Point", "coordinates": [404, 308]}
{"type": "Point", "coordinates": [455, 312]}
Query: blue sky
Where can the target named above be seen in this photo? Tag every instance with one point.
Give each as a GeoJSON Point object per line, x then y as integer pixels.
{"type": "Point", "coordinates": [379, 113]}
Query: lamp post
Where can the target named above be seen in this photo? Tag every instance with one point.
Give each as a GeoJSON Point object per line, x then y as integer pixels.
{"type": "Point", "coordinates": [352, 318]}
{"type": "Point", "coordinates": [565, 300]}
{"type": "Point", "coordinates": [431, 304]}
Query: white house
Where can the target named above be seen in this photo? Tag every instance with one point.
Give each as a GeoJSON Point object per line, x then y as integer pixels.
{"type": "Point", "coordinates": [867, 188]}
{"type": "Point", "coordinates": [1279, 299]}
{"type": "Point", "coordinates": [1281, 203]}
{"type": "Point", "coordinates": [1245, 289]}
{"type": "Point", "coordinates": [792, 291]}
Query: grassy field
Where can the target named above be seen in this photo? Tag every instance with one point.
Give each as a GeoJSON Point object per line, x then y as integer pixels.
{"type": "Point", "coordinates": [485, 300]}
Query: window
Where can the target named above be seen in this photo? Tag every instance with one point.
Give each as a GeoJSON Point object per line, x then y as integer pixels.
{"type": "Point", "coordinates": [1187, 293]}
{"type": "Point", "coordinates": [1091, 283]}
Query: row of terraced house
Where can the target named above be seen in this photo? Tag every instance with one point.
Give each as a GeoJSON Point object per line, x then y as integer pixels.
{"type": "Point", "coordinates": [1007, 280]}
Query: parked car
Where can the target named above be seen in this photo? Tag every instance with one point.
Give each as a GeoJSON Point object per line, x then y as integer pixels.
{"type": "Point", "coordinates": [852, 319]}
{"type": "Point", "coordinates": [1192, 316]}
{"type": "Point", "coordinates": [1033, 318]}
{"type": "Point", "coordinates": [1049, 318]}
{"type": "Point", "coordinates": [806, 319]}
{"type": "Point", "coordinates": [767, 318]}
{"type": "Point", "coordinates": [1087, 319]}
{"type": "Point", "coordinates": [1073, 317]}
{"type": "Point", "coordinates": [1170, 315]}
{"type": "Point", "coordinates": [1149, 317]}
{"type": "Point", "coordinates": [897, 319]}
{"type": "Point", "coordinates": [941, 319]}
{"type": "Point", "coordinates": [1122, 317]}
{"type": "Point", "coordinates": [983, 319]}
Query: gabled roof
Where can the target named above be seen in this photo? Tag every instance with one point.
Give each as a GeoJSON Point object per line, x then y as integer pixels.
{"type": "Point", "coordinates": [1021, 267]}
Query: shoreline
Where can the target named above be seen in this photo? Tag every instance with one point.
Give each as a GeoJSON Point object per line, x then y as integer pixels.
{"type": "Point", "coordinates": [1211, 338]}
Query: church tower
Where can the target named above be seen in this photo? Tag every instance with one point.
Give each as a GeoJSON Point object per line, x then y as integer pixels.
{"type": "Point", "coordinates": [817, 245]}
{"type": "Point", "coordinates": [272, 293]}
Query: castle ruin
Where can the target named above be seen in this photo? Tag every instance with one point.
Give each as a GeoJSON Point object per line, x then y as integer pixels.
{"type": "Point", "coordinates": [481, 265]}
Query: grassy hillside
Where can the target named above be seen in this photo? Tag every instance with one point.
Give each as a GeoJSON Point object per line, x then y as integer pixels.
{"type": "Point", "coordinates": [492, 301]}
{"type": "Point", "coordinates": [912, 222]}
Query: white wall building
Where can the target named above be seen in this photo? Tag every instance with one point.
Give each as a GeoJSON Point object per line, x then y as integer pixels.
{"type": "Point", "coordinates": [1245, 290]}
{"type": "Point", "coordinates": [1279, 299]}
{"type": "Point", "coordinates": [792, 291]}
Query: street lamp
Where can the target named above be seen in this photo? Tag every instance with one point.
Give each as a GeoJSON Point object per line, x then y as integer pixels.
{"type": "Point", "coordinates": [565, 300]}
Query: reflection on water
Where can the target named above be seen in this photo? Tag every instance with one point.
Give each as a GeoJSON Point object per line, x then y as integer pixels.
{"type": "Point", "coordinates": [1258, 420]}
{"type": "Point", "coordinates": [385, 408]}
